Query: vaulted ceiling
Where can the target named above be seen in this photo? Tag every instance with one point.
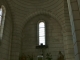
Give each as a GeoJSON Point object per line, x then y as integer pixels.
{"type": "Point", "coordinates": [22, 8]}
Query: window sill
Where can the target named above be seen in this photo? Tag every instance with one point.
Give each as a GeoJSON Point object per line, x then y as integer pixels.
{"type": "Point", "coordinates": [41, 46]}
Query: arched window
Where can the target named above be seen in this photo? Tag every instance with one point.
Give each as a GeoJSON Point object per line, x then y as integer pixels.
{"type": "Point", "coordinates": [0, 15]}
{"type": "Point", "coordinates": [2, 20]}
{"type": "Point", "coordinates": [41, 33]}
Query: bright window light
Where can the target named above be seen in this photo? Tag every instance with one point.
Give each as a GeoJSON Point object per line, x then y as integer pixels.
{"type": "Point", "coordinates": [0, 16]}
{"type": "Point", "coordinates": [2, 19]}
{"type": "Point", "coordinates": [41, 33]}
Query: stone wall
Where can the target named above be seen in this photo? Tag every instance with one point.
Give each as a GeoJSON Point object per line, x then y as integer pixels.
{"type": "Point", "coordinates": [75, 21]}
{"type": "Point", "coordinates": [23, 13]}
{"type": "Point", "coordinates": [54, 37]}
{"type": "Point", "coordinates": [5, 43]}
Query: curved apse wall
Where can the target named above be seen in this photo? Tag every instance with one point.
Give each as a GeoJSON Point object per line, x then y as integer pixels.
{"type": "Point", "coordinates": [54, 37]}
{"type": "Point", "coordinates": [22, 9]}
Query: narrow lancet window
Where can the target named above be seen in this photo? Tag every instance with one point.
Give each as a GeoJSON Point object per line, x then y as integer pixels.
{"type": "Point", "coordinates": [0, 15]}
{"type": "Point", "coordinates": [41, 33]}
{"type": "Point", "coordinates": [2, 20]}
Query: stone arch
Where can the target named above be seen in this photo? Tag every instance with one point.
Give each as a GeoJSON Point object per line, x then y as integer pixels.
{"type": "Point", "coordinates": [39, 13]}
{"type": "Point", "coordinates": [36, 15]}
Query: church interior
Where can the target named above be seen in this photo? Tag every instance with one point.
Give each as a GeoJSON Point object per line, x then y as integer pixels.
{"type": "Point", "coordinates": [40, 30]}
